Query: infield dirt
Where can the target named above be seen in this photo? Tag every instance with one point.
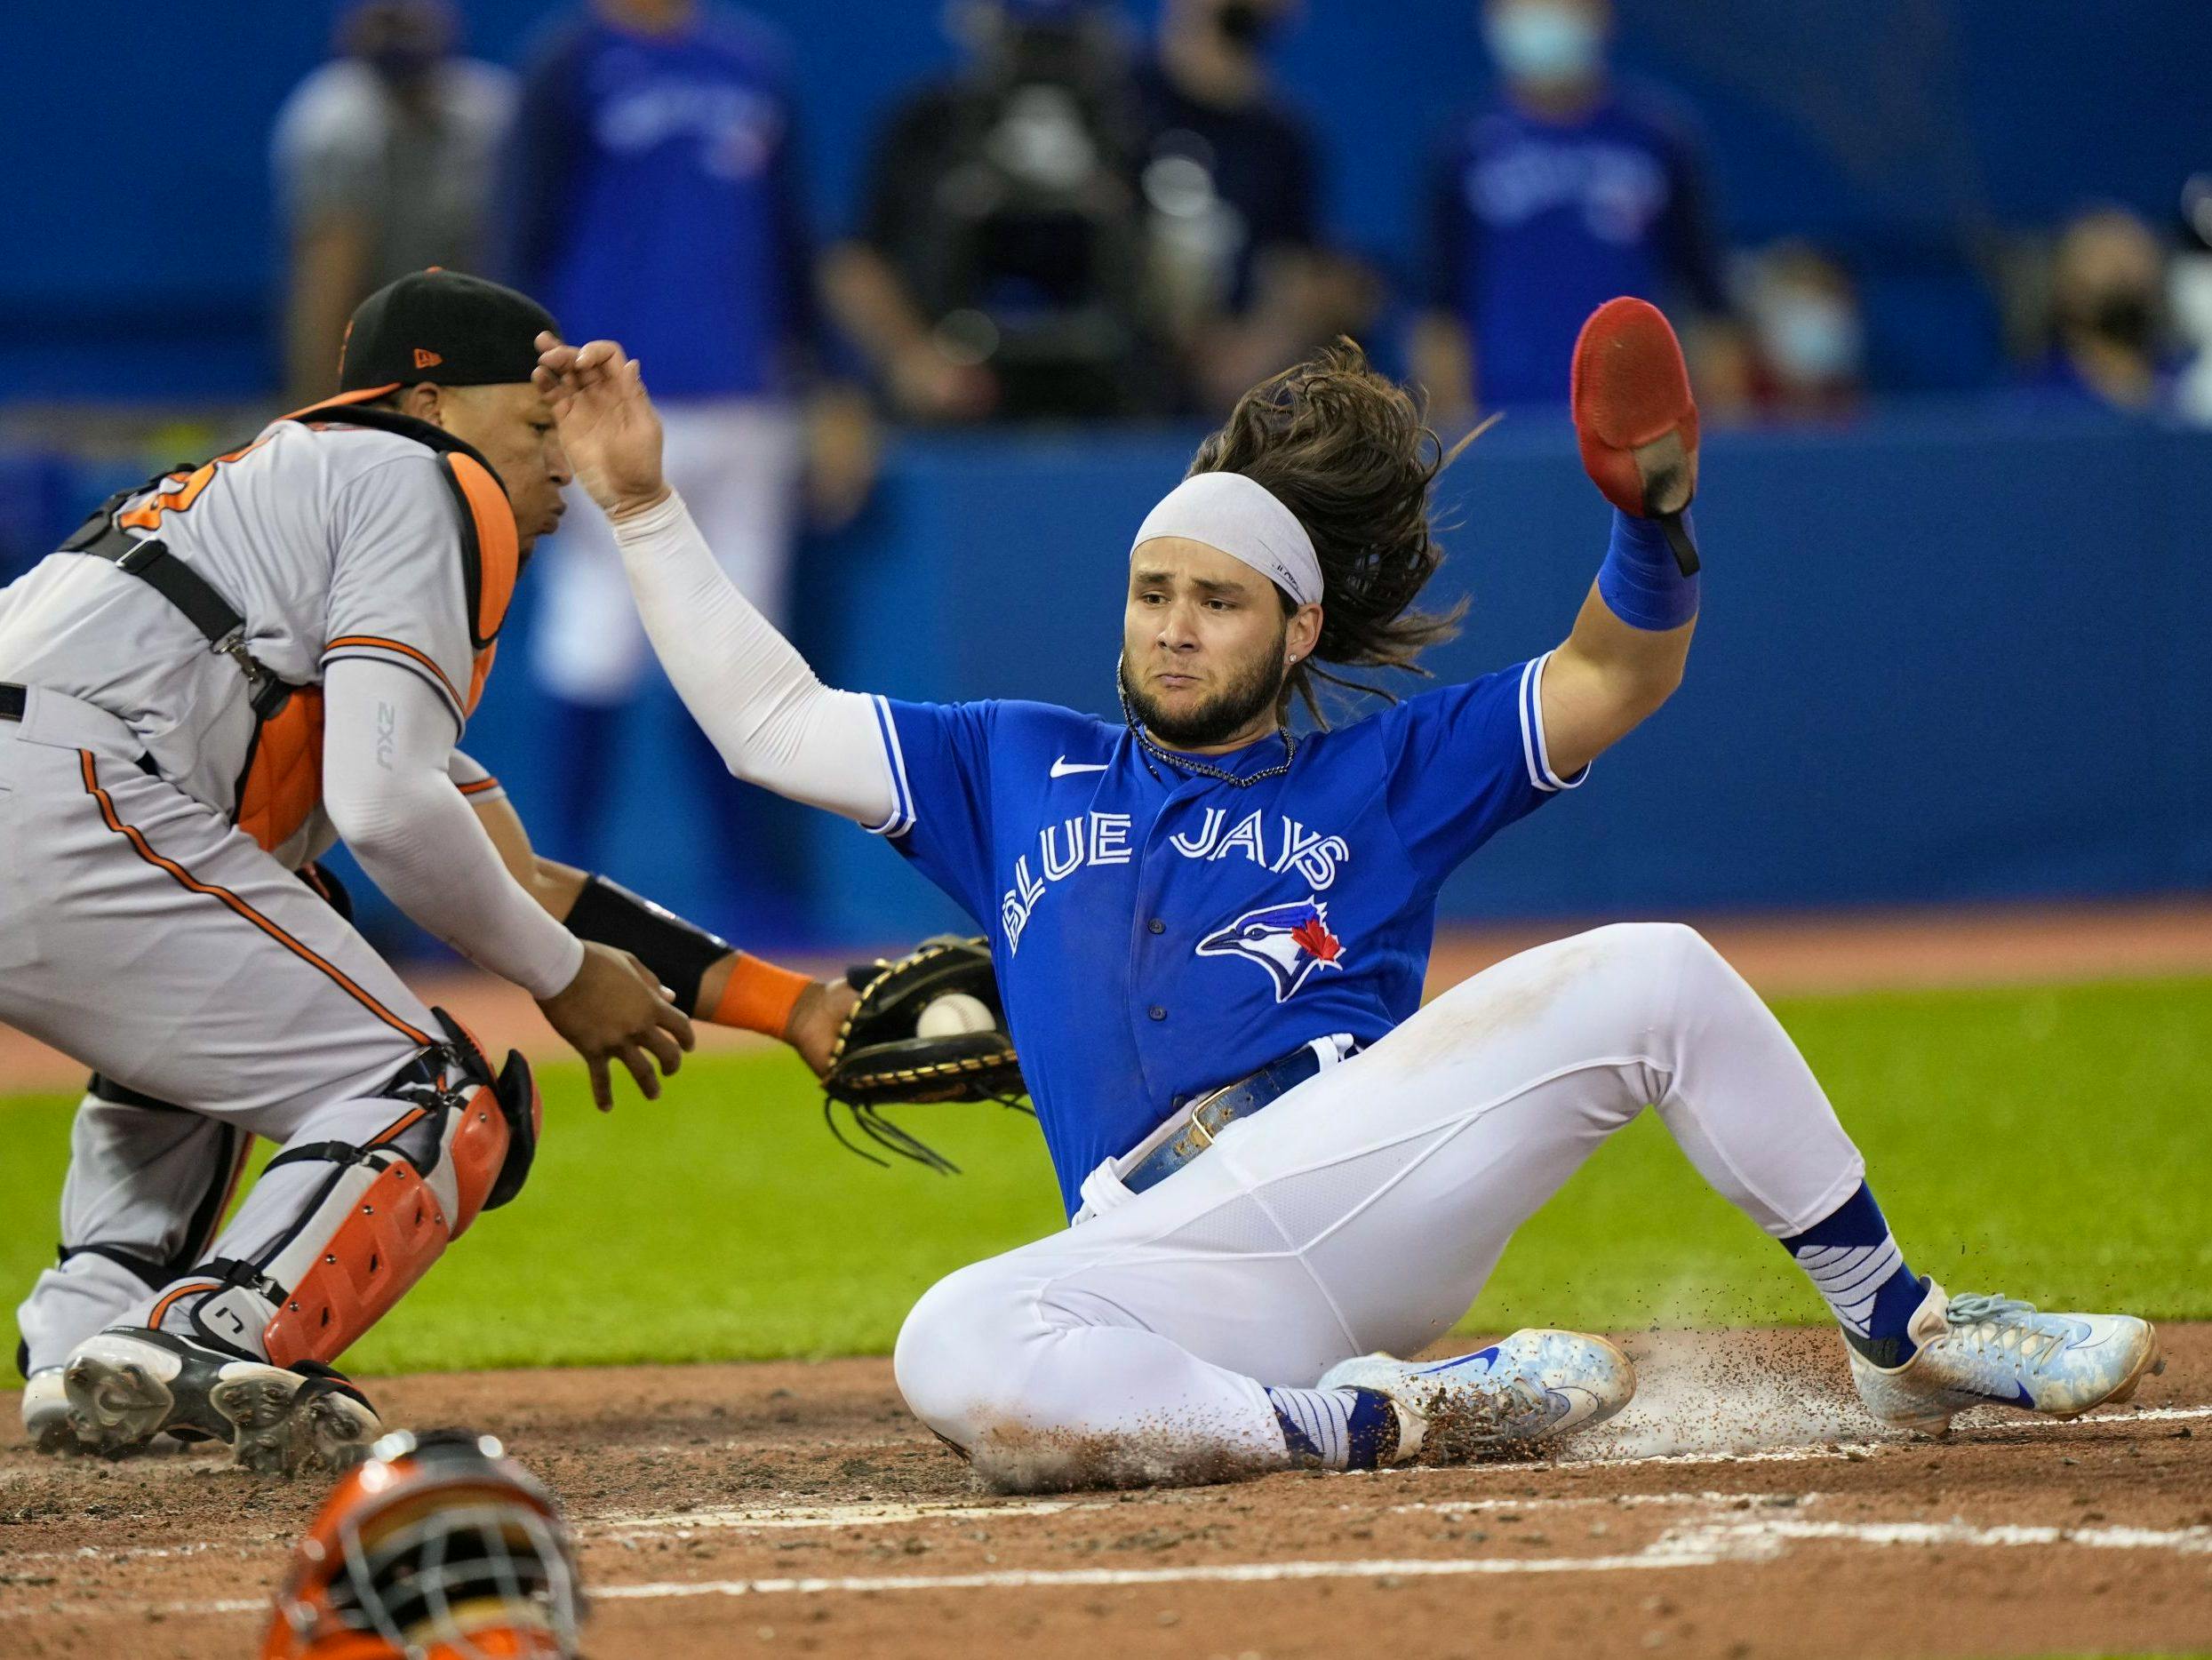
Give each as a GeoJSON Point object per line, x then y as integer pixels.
{"type": "Point", "coordinates": [1742, 1506]}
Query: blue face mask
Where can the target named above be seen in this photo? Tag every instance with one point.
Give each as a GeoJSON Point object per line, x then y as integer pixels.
{"type": "Point", "coordinates": [1812, 340]}
{"type": "Point", "coordinates": [1545, 42]}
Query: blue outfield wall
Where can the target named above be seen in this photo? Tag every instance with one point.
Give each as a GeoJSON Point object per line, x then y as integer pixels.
{"type": "Point", "coordinates": [1947, 656]}
{"type": "Point", "coordinates": [1951, 654]}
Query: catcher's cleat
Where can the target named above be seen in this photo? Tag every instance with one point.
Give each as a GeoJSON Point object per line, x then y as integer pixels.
{"type": "Point", "coordinates": [1533, 1386]}
{"type": "Point", "coordinates": [1635, 419]}
{"type": "Point", "coordinates": [46, 1412]}
{"type": "Point", "coordinates": [1978, 1351]}
{"type": "Point", "coordinates": [129, 1384]}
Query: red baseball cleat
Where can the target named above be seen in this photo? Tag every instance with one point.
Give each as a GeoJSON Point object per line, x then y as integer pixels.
{"type": "Point", "coordinates": [1635, 417]}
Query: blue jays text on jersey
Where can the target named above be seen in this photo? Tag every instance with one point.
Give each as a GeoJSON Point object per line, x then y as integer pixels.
{"type": "Point", "coordinates": [1157, 934]}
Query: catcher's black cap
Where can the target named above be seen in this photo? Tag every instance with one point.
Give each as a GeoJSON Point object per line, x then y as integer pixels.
{"type": "Point", "coordinates": [443, 326]}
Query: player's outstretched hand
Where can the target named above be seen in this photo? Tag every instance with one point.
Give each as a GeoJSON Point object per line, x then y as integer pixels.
{"type": "Point", "coordinates": [608, 424]}
{"type": "Point", "coordinates": [614, 1009]}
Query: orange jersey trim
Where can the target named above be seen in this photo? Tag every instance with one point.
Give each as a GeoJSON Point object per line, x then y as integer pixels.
{"type": "Point", "coordinates": [479, 786]}
{"type": "Point", "coordinates": [405, 651]}
{"type": "Point", "coordinates": [185, 880]}
{"type": "Point", "coordinates": [367, 394]}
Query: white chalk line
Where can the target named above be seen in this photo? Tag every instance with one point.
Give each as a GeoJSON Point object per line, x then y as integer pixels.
{"type": "Point", "coordinates": [748, 1516]}
{"type": "Point", "coordinates": [1778, 1531]}
{"type": "Point", "coordinates": [638, 1525]}
{"type": "Point", "coordinates": [1701, 1545]}
{"type": "Point", "coordinates": [641, 1526]}
{"type": "Point", "coordinates": [1511, 1507]}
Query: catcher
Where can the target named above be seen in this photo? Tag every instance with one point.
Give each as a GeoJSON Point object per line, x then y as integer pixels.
{"type": "Point", "coordinates": [222, 672]}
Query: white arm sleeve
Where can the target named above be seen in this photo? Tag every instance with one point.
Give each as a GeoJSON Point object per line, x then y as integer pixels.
{"type": "Point", "coordinates": [774, 722]}
{"type": "Point", "coordinates": [387, 741]}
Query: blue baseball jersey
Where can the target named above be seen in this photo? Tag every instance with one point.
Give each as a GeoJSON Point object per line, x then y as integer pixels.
{"type": "Point", "coordinates": [1158, 934]}
{"type": "Point", "coordinates": [1535, 223]}
{"type": "Point", "coordinates": [653, 195]}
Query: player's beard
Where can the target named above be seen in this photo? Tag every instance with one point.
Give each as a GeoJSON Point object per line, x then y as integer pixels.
{"type": "Point", "coordinates": [1256, 687]}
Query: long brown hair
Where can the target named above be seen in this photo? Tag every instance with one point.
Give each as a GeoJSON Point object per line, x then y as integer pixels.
{"type": "Point", "coordinates": [1349, 452]}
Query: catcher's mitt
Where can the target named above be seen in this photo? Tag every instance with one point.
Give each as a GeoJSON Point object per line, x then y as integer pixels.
{"type": "Point", "coordinates": [880, 1058]}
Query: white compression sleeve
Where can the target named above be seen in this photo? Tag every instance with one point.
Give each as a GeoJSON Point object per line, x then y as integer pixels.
{"type": "Point", "coordinates": [387, 739]}
{"type": "Point", "coordinates": [772, 720]}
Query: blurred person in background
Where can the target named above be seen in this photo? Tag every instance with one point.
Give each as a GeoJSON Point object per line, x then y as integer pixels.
{"type": "Point", "coordinates": [999, 270]}
{"type": "Point", "coordinates": [383, 160]}
{"type": "Point", "coordinates": [654, 190]}
{"type": "Point", "coordinates": [2107, 346]}
{"type": "Point", "coordinates": [1808, 346]}
{"type": "Point", "coordinates": [2189, 293]}
{"type": "Point", "coordinates": [1233, 183]}
{"type": "Point", "coordinates": [1566, 192]}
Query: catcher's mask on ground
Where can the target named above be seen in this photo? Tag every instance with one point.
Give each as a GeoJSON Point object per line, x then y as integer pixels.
{"type": "Point", "coordinates": [437, 1546]}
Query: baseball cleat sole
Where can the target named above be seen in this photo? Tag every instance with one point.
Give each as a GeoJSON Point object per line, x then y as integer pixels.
{"type": "Point", "coordinates": [126, 1387]}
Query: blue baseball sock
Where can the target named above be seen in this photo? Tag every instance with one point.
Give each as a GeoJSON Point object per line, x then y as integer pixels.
{"type": "Point", "coordinates": [1336, 1428]}
{"type": "Point", "coordinates": [1854, 1262]}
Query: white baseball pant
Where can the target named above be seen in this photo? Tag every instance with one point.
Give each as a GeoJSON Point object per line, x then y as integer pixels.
{"type": "Point", "coordinates": [147, 937]}
{"type": "Point", "coordinates": [1363, 1210]}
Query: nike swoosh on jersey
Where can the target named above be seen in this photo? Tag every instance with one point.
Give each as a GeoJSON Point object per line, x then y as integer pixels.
{"type": "Point", "coordinates": [1064, 766]}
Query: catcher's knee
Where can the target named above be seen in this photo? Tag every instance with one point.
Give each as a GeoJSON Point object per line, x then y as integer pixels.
{"type": "Point", "coordinates": [460, 1144]}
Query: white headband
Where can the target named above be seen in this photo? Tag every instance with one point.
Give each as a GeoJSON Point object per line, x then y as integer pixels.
{"type": "Point", "coordinates": [1243, 519]}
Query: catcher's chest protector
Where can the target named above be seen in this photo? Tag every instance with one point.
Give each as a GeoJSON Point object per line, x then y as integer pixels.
{"type": "Point", "coordinates": [282, 781]}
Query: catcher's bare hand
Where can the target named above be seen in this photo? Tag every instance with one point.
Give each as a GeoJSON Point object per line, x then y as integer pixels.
{"type": "Point", "coordinates": [614, 1009]}
{"type": "Point", "coordinates": [608, 424]}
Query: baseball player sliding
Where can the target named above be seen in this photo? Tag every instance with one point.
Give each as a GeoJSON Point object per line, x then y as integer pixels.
{"type": "Point", "coordinates": [1211, 935]}
{"type": "Point", "coordinates": [219, 674]}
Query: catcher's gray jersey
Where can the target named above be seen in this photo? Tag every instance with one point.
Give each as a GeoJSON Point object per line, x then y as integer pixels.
{"type": "Point", "coordinates": [329, 540]}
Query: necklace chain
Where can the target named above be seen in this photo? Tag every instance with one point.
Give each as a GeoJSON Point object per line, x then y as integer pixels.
{"type": "Point", "coordinates": [1187, 764]}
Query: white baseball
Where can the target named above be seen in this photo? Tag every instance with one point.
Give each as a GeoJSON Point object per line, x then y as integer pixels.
{"type": "Point", "coordinates": [954, 1013]}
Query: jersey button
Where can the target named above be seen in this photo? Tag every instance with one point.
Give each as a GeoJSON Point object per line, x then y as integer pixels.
{"type": "Point", "coordinates": [1157, 926]}
{"type": "Point", "coordinates": [1157, 1013]}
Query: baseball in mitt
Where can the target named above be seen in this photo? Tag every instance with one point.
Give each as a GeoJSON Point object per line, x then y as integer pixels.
{"type": "Point", "coordinates": [929, 1027]}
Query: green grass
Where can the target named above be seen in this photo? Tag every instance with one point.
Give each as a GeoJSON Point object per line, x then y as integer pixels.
{"type": "Point", "coordinates": [2052, 1143]}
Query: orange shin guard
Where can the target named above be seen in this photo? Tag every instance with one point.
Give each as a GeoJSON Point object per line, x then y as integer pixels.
{"type": "Point", "coordinates": [392, 1232]}
{"type": "Point", "coordinates": [394, 1225]}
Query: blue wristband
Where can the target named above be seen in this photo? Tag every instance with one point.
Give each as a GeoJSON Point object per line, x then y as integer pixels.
{"type": "Point", "coordinates": [1639, 582]}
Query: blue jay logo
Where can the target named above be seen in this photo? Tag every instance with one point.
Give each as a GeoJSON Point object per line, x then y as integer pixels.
{"type": "Point", "coordinates": [1290, 941]}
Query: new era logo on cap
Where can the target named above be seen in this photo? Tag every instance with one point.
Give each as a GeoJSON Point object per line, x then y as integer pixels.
{"type": "Point", "coordinates": [427, 359]}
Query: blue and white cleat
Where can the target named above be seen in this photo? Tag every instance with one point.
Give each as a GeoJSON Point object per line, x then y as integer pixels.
{"type": "Point", "coordinates": [1978, 1351]}
{"type": "Point", "coordinates": [1533, 1386]}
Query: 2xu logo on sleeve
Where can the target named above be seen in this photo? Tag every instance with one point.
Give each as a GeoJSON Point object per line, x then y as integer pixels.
{"type": "Point", "coordinates": [1275, 842]}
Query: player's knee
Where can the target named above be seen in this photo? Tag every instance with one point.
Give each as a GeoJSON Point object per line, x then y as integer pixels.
{"type": "Point", "coordinates": [1659, 956]}
{"type": "Point", "coordinates": [954, 1359]}
{"type": "Point", "coordinates": [1650, 945]}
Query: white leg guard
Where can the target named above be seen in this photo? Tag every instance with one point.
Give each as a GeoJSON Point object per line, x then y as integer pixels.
{"type": "Point", "coordinates": [146, 1189]}
{"type": "Point", "coordinates": [1363, 1212]}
